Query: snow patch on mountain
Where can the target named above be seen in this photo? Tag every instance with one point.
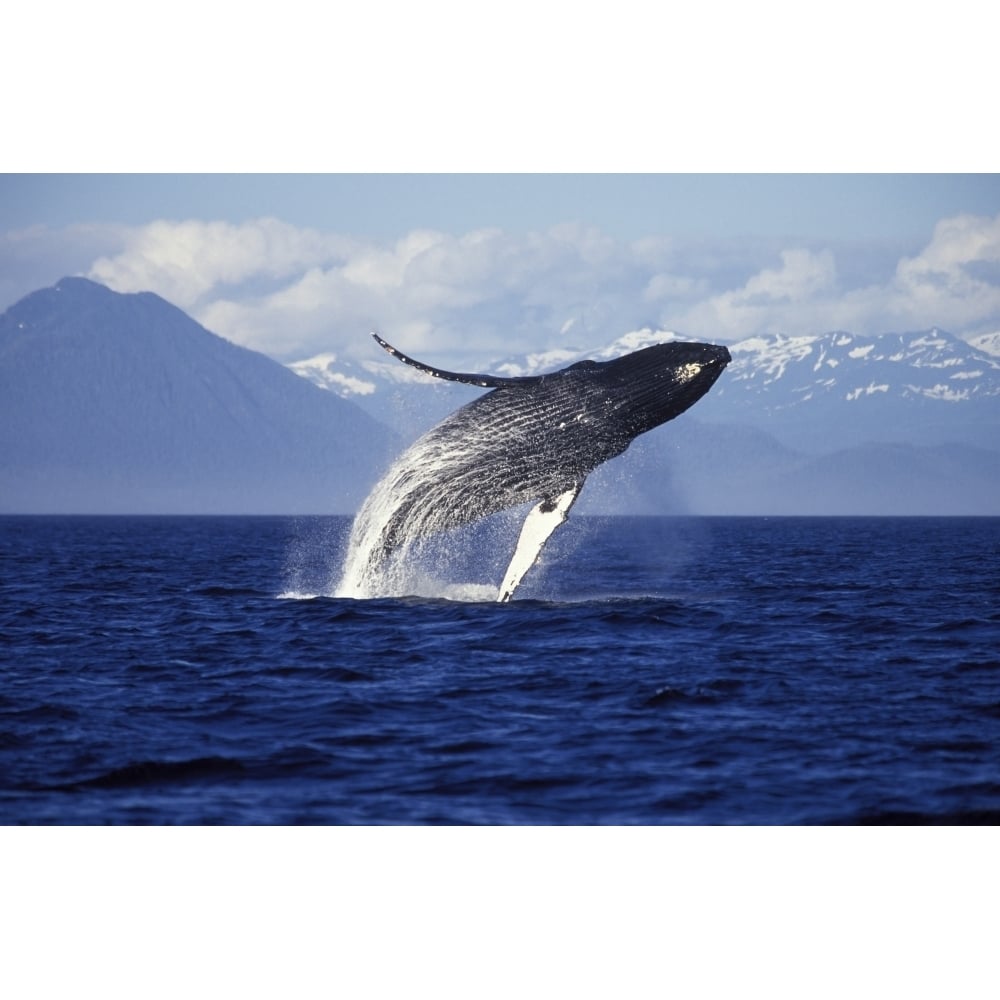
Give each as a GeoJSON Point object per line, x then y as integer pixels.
{"type": "Point", "coordinates": [321, 370]}
{"type": "Point", "coordinates": [932, 339]}
{"type": "Point", "coordinates": [534, 364]}
{"type": "Point", "coordinates": [940, 391]}
{"type": "Point", "coordinates": [636, 341]}
{"type": "Point", "coordinates": [988, 343]}
{"type": "Point", "coordinates": [769, 356]}
{"type": "Point", "coordinates": [866, 391]}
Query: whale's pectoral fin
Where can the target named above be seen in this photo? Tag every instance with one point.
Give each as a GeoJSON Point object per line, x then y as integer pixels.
{"type": "Point", "coordinates": [541, 521]}
{"type": "Point", "coordinates": [469, 378]}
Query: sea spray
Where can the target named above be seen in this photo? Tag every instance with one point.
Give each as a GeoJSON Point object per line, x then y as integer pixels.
{"type": "Point", "coordinates": [414, 531]}
{"type": "Point", "coordinates": [315, 543]}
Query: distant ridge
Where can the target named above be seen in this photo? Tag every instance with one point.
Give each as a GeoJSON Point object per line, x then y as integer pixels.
{"type": "Point", "coordinates": [114, 403]}
{"type": "Point", "coordinates": [815, 392]}
{"type": "Point", "coordinates": [895, 424]}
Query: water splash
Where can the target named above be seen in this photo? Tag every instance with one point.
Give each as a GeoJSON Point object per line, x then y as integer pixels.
{"type": "Point", "coordinates": [412, 536]}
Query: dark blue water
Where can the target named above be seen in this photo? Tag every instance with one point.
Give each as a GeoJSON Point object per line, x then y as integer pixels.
{"type": "Point", "coordinates": [653, 671]}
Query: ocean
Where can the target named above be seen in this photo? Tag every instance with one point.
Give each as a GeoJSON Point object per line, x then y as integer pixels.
{"type": "Point", "coordinates": [653, 671]}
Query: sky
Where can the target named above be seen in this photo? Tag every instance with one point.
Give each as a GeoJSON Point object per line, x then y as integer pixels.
{"type": "Point", "coordinates": [386, 206]}
{"type": "Point", "coordinates": [476, 188]}
{"type": "Point", "coordinates": [473, 268]}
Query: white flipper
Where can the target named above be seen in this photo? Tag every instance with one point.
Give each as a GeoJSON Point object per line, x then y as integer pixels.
{"type": "Point", "coordinates": [541, 521]}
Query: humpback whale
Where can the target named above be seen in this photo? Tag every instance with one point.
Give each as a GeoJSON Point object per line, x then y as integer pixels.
{"type": "Point", "coordinates": [532, 439]}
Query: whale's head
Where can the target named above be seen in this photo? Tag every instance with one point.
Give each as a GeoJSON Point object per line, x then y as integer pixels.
{"type": "Point", "coordinates": [655, 384]}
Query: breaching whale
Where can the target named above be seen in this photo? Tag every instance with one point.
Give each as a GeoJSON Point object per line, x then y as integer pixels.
{"type": "Point", "coordinates": [532, 439]}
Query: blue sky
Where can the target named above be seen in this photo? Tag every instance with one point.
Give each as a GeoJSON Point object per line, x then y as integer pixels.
{"type": "Point", "coordinates": [830, 206]}
{"type": "Point", "coordinates": [471, 268]}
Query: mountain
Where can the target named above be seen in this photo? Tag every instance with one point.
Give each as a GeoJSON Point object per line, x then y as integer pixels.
{"type": "Point", "coordinates": [728, 469]}
{"type": "Point", "coordinates": [825, 424]}
{"type": "Point", "coordinates": [814, 393]}
{"type": "Point", "coordinates": [122, 403]}
{"type": "Point", "coordinates": [840, 389]}
{"type": "Point", "coordinates": [690, 467]}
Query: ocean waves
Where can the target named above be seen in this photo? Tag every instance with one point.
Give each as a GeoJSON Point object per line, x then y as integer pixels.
{"type": "Point", "coordinates": [655, 671]}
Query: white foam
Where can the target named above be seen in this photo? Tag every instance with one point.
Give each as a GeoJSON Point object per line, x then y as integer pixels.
{"type": "Point", "coordinates": [470, 593]}
{"type": "Point", "coordinates": [407, 538]}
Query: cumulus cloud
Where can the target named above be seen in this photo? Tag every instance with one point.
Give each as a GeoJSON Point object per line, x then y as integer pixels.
{"type": "Point", "coordinates": [953, 282]}
{"type": "Point", "coordinates": [486, 291]}
{"type": "Point", "coordinates": [957, 275]}
{"type": "Point", "coordinates": [788, 293]}
{"type": "Point", "coordinates": [487, 294]}
{"type": "Point", "coordinates": [186, 261]}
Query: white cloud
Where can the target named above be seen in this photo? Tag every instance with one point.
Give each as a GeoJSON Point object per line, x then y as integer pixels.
{"type": "Point", "coordinates": [802, 275]}
{"type": "Point", "coordinates": [775, 299]}
{"type": "Point", "coordinates": [486, 291]}
{"type": "Point", "coordinates": [487, 294]}
{"type": "Point", "coordinates": [186, 261]}
{"type": "Point", "coordinates": [953, 283]}
{"type": "Point", "coordinates": [956, 277]}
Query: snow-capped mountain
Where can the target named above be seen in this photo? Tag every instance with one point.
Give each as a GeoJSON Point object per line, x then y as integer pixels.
{"type": "Point", "coordinates": [989, 343]}
{"type": "Point", "coordinates": [813, 392]}
{"type": "Point", "coordinates": [932, 364]}
{"type": "Point", "coordinates": [842, 389]}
